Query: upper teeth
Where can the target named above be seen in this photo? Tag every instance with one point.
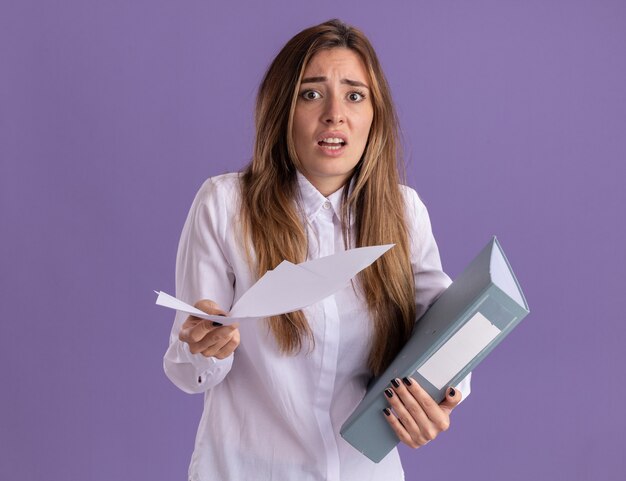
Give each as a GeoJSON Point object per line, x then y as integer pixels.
{"type": "Point", "coordinates": [332, 140]}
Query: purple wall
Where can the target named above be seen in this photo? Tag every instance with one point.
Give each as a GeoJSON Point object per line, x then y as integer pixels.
{"type": "Point", "coordinates": [112, 113]}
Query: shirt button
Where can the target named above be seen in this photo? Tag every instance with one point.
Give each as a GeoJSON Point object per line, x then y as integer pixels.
{"type": "Point", "coordinates": [326, 205]}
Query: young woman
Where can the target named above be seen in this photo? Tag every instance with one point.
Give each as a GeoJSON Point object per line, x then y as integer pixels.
{"type": "Point", "coordinates": [323, 178]}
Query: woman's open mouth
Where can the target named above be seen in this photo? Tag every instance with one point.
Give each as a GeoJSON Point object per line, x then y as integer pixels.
{"type": "Point", "coordinates": [332, 146]}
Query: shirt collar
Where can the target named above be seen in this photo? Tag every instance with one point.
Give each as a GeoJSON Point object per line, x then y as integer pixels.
{"type": "Point", "coordinates": [312, 199]}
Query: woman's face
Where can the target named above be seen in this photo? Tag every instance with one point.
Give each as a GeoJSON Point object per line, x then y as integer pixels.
{"type": "Point", "coordinates": [332, 118]}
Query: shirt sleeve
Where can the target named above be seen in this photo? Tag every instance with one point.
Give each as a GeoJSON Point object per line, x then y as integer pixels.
{"type": "Point", "coordinates": [430, 279]}
{"type": "Point", "coordinates": [202, 272]}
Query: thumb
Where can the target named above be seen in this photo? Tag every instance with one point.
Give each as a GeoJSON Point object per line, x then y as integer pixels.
{"type": "Point", "coordinates": [452, 399]}
{"type": "Point", "coordinates": [210, 307]}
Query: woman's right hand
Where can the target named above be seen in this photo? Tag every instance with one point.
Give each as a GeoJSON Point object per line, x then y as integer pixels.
{"type": "Point", "coordinates": [207, 338]}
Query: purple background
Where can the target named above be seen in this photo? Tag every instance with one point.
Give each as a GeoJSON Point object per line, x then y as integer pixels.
{"type": "Point", "coordinates": [112, 113]}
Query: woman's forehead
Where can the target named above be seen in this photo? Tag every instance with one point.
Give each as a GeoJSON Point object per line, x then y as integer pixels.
{"type": "Point", "coordinates": [341, 59]}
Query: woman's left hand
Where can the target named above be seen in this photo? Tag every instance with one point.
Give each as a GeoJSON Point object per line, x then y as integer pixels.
{"type": "Point", "coordinates": [416, 418]}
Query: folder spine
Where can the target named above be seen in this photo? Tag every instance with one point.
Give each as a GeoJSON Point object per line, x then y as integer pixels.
{"type": "Point", "coordinates": [456, 333]}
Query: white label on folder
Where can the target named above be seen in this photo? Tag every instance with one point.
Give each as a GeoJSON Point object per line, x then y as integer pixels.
{"type": "Point", "coordinates": [458, 351]}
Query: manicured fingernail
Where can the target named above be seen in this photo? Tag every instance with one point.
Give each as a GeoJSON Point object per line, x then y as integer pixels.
{"type": "Point", "coordinates": [388, 392]}
{"type": "Point", "coordinates": [217, 323]}
{"type": "Point", "coordinates": [452, 392]}
{"type": "Point", "coordinates": [406, 381]}
{"type": "Point", "coordinates": [395, 382]}
{"type": "Point", "coordinates": [387, 412]}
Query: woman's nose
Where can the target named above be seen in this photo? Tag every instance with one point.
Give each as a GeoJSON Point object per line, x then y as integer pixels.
{"type": "Point", "coordinates": [333, 113]}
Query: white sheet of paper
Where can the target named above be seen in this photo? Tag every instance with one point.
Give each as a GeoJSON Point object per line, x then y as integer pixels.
{"type": "Point", "coordinates": [290, 287]}
{"type": "Point", "coordinates": [458, 351]}
{"type": "Point", "coordinates": [165, 300]}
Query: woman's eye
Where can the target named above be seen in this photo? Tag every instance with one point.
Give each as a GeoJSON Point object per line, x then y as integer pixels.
{"type": "Point", "coordinates": [356, 96]}
{"type": "Point", "coordinates": [311, 95]}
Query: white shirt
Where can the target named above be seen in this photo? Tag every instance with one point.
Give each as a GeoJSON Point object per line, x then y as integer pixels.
{"type": "Point", "coordinates": [269, 416]}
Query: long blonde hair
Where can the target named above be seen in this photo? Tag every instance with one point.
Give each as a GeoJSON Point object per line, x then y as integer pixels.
{"type": "Point", "coordinates": [272, 224]}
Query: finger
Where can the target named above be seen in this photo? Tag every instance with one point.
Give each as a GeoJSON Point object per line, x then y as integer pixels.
{"type": "Point", "coordinates": [224, 346]}
{"type": "Point", "coordinates": [191, 321]}
{"type": "Point", "coordinates": [412, 422]}
{"type": "Point", "coordinates": [198, 332]}
{"type": "Point", "coordinates": [211, 335]}
{"type": "Point", "coordinates": [190, 332]}
{"type": "Point", "coordinates": [227, 350]}
{"type": "Point", "coordinates": [186, 327]}
{"type": "Point", "coordinates": [452, 399]}
{"type": "Point", "coordinates": [213, 341]}
{"type": "Point", "coordinates": [400, 430]}
{"type": "Point", "coordinates": [216, 343]}
{"type": "Point", "coordinates": [436, 415]}
{"type": "Point", "coordinates": [413, 407]}
{"type": "Point", "coordinates": [210, 307]}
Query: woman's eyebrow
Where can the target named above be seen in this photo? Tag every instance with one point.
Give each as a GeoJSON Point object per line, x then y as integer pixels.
{"type": "Point", "coordinates": [353, 83]}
